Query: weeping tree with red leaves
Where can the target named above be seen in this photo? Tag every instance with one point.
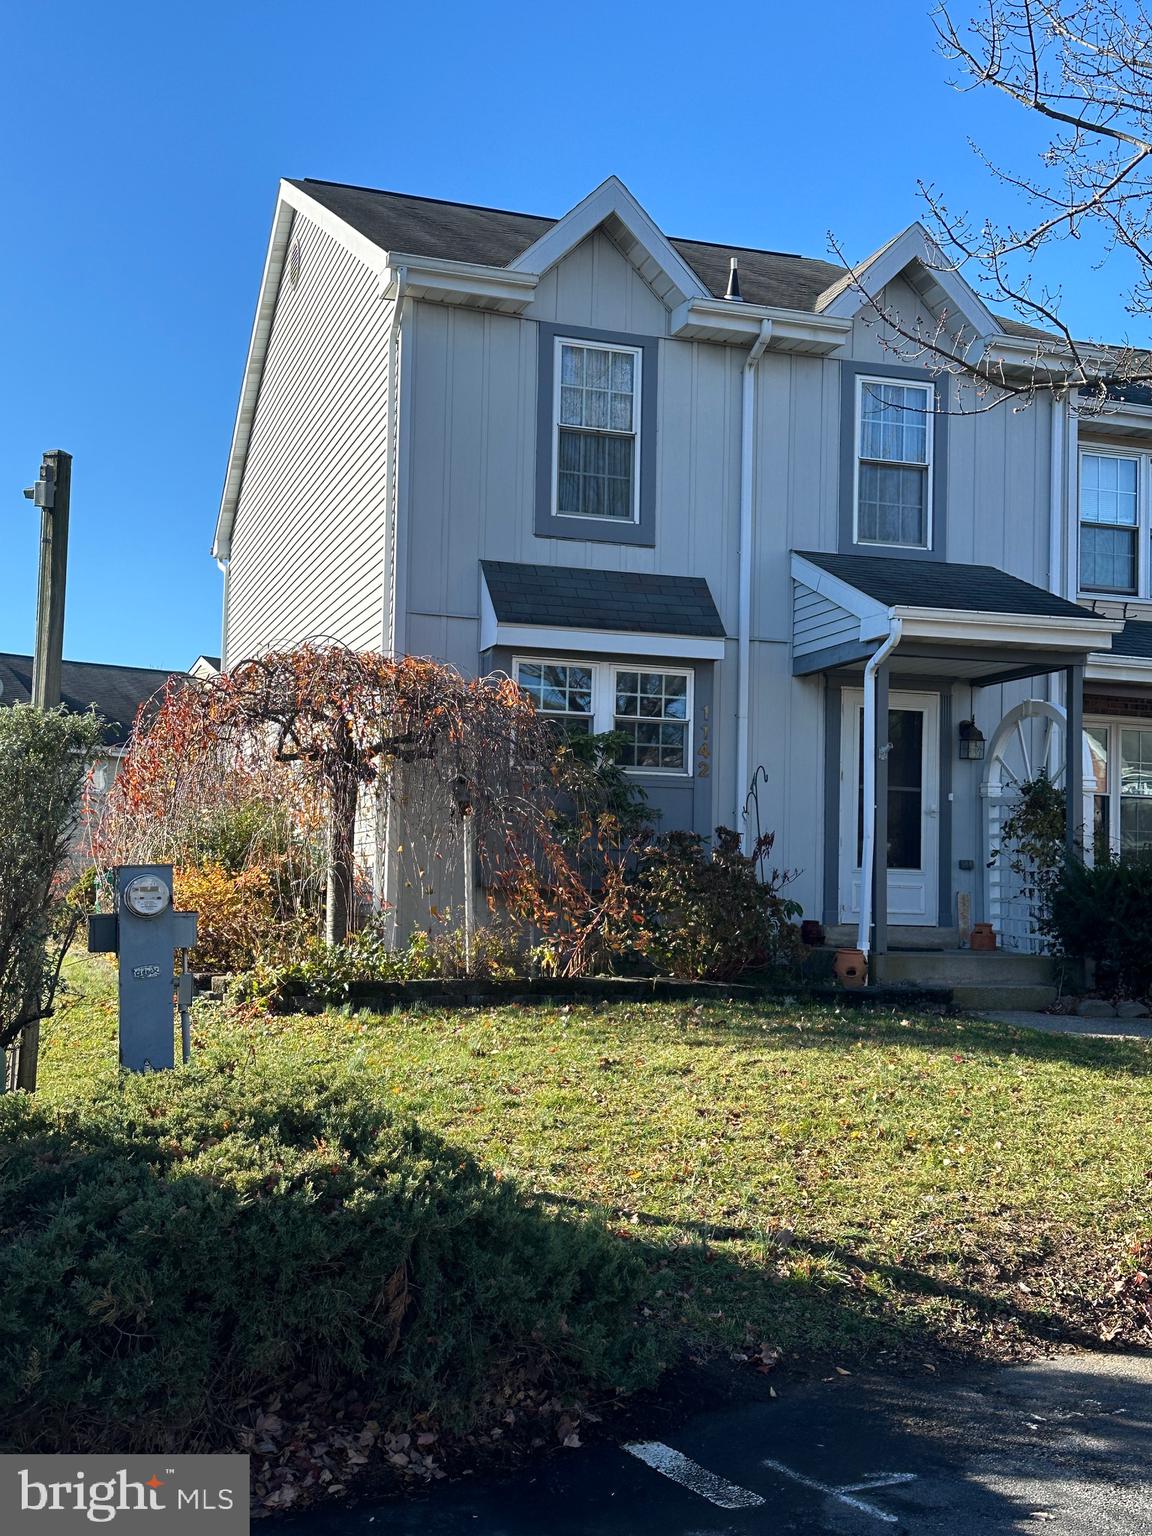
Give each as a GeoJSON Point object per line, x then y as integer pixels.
{"type": "Point", "coordinates": [325, 732]}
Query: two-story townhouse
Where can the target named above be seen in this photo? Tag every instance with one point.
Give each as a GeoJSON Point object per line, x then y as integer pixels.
{"type": "Point", "coordinates": [695, 493]}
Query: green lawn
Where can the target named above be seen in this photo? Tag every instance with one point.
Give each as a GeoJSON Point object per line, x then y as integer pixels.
{"type": "Point", "coordinates": [840, 1186]}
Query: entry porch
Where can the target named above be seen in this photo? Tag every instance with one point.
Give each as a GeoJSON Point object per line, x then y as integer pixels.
{"type": "Point", "coordinates": [911, 655]}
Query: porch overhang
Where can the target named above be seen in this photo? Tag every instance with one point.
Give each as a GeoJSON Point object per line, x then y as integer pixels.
{"type": "Point", "coordinates": [987, 628]}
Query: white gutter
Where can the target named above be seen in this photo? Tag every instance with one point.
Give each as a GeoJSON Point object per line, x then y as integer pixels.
{"type": "Point", "coordinates": [868, 851]}
{"type": "Point", "coordinates": [744, 601]}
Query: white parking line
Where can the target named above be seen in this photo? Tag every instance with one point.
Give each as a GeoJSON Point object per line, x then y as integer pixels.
{"type": "Point", "coordinates": [845, 1495]}
{"type": "Point", "coordinates": [878, 1480]}
{"type": "Point", "coordinates": [690, 1474]}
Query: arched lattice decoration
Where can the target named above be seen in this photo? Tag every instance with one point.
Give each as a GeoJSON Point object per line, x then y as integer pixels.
{"type": "Point", "coordinates": [1029, 738]}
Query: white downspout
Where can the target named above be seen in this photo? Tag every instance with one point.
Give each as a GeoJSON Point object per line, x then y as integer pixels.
{"type": "Point", "coordinates": [868, 850]}
{"type": "Point", "coordinates": [391, 453]}
{"type": "Point", "coordinates": [383, 872]}
{"type": "Point", "coordinates": [1056, 509]}
{"type": "Point", "coordinates": [744, 598]}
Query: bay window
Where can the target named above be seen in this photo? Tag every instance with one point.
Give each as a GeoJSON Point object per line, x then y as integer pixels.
{"type": "Point", "coordinates": [652, 709]}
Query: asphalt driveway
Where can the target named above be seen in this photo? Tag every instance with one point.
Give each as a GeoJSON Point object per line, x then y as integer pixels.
{"type": "Point", "coordinates": [1064, 1445]}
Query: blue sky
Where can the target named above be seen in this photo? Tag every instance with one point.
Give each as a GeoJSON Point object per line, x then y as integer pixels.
{"type": "Point", "coordinates": [144, 144]}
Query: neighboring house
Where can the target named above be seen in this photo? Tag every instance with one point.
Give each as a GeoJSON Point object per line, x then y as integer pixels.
{"type": "Point", "coordinates": [731, 527]}
{"type": "Point", "coordinates": [115, 693]}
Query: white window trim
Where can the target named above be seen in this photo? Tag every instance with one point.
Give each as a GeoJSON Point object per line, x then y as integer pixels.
{"type": "Point", "coordinates": [1142, 530]}
{"type": "Point", "coordinates": [862, 382]}
{"type": "Point", "coordinates": [603, 700]}
{"type": "Point", "coordinates": [1112, 725]}
{"type": "Point", "coordinates": [637, 389]}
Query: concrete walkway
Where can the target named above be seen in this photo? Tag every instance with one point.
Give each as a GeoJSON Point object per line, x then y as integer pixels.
{"type": "Point", "coordinates": [1061, 1444]}
{"type": "Point", "coordinates": [1072, 1024]}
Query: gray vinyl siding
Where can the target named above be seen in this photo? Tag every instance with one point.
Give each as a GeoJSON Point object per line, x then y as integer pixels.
{"type": "Point", "coordinates": [308, 553]}
{"type": "Point", "coordinates": [311, 554]}
{"type": "Point", "coordinates": [468, 494]}
{"type": "Point", "coordinates": [818, 622]}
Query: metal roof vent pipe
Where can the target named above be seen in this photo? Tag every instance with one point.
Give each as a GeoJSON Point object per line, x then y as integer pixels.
{"type": "Point", "coordinates": [733, 290]}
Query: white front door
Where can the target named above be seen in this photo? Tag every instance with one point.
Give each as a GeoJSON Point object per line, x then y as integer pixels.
{"type": "Point", "coordinates": [913, 809]}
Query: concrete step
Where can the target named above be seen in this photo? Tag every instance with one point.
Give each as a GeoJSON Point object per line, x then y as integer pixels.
{"type": "Point", "coordinates": [844, 935]}
{"type": "Point", "coordinates": [963, 966]}
{"type": "Point", "coordinates": [1033, 997]}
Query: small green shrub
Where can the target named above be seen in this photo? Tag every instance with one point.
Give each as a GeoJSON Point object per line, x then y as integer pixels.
{"type": "Point", "coordinates": [1032, 845]}
{"type": "Point", "coordinates": [325, 973]}
{"type": "Point", "coordinates": [1103, 913]}
{"type": "Point", "coordinates": [178, 1242]}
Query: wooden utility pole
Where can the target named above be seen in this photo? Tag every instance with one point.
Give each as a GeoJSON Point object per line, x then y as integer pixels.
{"type": "Point", "coordinates": [52, 494]}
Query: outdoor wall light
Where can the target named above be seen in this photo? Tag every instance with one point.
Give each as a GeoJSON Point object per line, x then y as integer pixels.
{"type": "Point", "coordinates": [971, 742]}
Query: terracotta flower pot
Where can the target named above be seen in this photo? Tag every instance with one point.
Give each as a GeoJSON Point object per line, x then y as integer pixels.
{"type": "Point", "coordinates": [983, 936]}
{"type": "Point", "coordinates": [851, 967]}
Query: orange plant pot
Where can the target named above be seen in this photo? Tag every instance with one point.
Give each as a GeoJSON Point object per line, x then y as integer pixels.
{"type": "Point", "coordinates": [983, 936]}
{"type": "Point", "coordinates": [851, 967]}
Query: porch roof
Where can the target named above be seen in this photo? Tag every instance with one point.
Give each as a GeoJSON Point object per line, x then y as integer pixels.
{"type": "Point", "coordinates": [973, 622]}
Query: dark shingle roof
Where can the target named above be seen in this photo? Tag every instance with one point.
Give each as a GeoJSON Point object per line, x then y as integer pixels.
{"type": "Point", "coordinates": [572, 598]}
{"type": "Point", "coordinates": [424, 226]}
{"type": "Point", "coordinates": [116, 693]}
{"type": "Point", "coordinates": [933, 584]}
{"type": "Point", "coordinates": [429, 226]}
{"type": "Point", "coordinates": [1135, 639]}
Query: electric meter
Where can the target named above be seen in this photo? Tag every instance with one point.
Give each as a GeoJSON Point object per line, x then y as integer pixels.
{"type": "Point", "coordinates": [146, 896]}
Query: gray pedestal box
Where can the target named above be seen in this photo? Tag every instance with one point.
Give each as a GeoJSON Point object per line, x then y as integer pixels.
{"type": "Point", "coordinates": [144, 932]}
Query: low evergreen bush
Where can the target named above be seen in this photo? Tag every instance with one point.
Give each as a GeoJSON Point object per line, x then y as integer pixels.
{"type": "Point", "coordinates": [172, 1244]}
{"type": "Point", "coordinates": [1103, 912]}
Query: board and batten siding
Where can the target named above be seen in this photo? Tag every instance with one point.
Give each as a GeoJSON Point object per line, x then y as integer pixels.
{"type": "Point", "coordinates": [308, 552]}
{"type": "Point", "coordinates": [470, 449]}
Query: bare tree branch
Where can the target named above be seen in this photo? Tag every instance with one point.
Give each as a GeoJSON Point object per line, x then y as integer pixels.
{"type": "Point", "coordinates": [1085, 68]}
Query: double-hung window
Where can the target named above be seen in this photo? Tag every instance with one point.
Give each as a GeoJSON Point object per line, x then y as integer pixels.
{"type": "Point", "coordinates": [597, 431]}
{"type": "Point", "coordinates": [1122, 786]}
{"type": "Point", "coordinates": [652, 710]}
{"type": "Point", "coordinates": [1110, 519]}
{"type": "Point", "coordinates": [894, 431]}
{"type": "Point", "coordinates": [561, 691]}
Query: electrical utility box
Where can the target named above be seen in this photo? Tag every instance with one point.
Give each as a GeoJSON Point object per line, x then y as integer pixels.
{"type": "Point", "coordinates": [145, 932]}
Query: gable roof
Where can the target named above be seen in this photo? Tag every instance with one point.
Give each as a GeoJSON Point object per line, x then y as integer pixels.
{"type": "Point", "coordinates": [116, 693]}
{"type": "Point", "coordinates": [495, 236]}
{"type": "Point", "coordinates": [899, 583]}
{"type": "Point", "coordinates": [374, 223]}
{"type": "Point", "coordinates": [632, 602]}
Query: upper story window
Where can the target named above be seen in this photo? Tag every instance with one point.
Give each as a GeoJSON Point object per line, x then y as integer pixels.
{"type": "Point", "coordinates": [1111, 515]}
{"type": "Point", "coordinates": [597, 443]}
{"type": "Point", "coordinates": [652, 710]}
{"type": "Point", "coordinates": [894, 433]}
